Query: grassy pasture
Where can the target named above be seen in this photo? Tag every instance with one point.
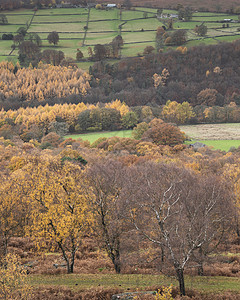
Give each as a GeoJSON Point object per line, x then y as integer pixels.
{"type": "Point", "coordinates": [223, 145]}
{"type": "Point", "coordinates": [62, 11]}
{"type": "Point", "coordinates": [214, 18]}
{"type": "Point", "coordinates": [86, 281]}
{"type": "Point", "coordinates": [131, 37]}
{"type": "Point", "coordinates": [58, 18]}
{"type": "Point", "coordinates": [70, 22]}
{"type": "Point", "coordinates": [93, 136]}
{"type": "Point", "coordinates": [133, 49]}
{"type": "Point", "coordinates": [103, 26]}
{"type": "Point", "coordinates": [218, 136]}
{"type": "Point", "coordinates": [105, 38]}
{"type": "Point", "coordinates": [146, 24]}
{"type": "Point", "coordinates": [18, 19]}
{"type": "Point", "coordinates": [147, 9]}
{"type": "Point", "coordinates": [131, 14]}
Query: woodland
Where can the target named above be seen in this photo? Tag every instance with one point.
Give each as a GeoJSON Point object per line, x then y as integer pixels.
{"type": "Point", "coordinates": [81, 220]}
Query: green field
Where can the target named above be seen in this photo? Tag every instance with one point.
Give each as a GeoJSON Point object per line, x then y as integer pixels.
{"type": "Point", "coordinates": [217, 136]}
{"type": "Point", "coordinates": [86, 281]}
{"type": "Point", "coordinates": [103, 26]}
{"type": "Point", "coordinates": [93, 136]}
{"type": "Point", "coordinates": [223, 145]}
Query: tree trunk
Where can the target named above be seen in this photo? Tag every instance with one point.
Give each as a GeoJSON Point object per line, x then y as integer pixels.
{"type": "Point", "coordinates": [180, 278]}
{"type": "Point", "coordinates": [68, 267]}
{"type": "Point", "coordinates": [237, 226]}
{"type": "Point", "coordinates": [200, 269]}
{"type": "Point", "coordinates": [116, 262]}
{"type": "Point", "coordinates": [71, 266]}
{"type": "Point", "coordinates": [162, 254]}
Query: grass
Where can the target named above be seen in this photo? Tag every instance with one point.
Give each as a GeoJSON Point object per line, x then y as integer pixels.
{"type": "Point", "coordinates": [218, 136]}
{"type": "Point", "coordinates": [131, 14]}
{"type": "Point", "coordinates": [93, 136]}
{"type": "Point", "coordinates": [105, 38]}
{"type": "Point", "coordinates": [223, 145]}
{"type": "Point", "coordinates": [53, 18]}
{"type": "Point", "coordinates": [146, 24]}
{"type": "Point", "coordinates": [103, 20]}
{"type": "Point", "coordinates": [134, 49]}
{"type": "Point", "coordinates": [86, 281]}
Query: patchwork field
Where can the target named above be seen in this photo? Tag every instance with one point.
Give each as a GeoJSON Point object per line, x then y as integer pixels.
{"type": "Point", "coordinates": [138, 28]}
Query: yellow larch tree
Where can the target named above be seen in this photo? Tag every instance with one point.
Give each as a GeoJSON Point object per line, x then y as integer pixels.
{"type": "Point", "coordinates": [118, 105]}
{"type": "Point", "coordinates": [177, 113]}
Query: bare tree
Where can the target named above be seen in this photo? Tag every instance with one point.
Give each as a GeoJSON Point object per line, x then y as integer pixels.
{"type": "Point", "coordinates": [104, 188]}
{"type": "Point", "coordinates": [178, 211]}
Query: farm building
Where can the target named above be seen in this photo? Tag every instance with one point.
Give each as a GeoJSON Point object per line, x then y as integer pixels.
{"type": "Point", "coordinates": [111, 6]}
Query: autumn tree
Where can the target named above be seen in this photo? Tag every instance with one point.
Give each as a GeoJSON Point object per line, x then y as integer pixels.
{"type": "Point", "coordinates": [179, 37]}
{"type": "Point", "coordinates": [139, 130]}
{"type": "Point", "coordinates": [207, 97]}
{"type": "Point", "coordinates": [185, 13]}
{"type": "Point", "coordinates": [79, 55]}
{"type": "Point", "coordinates": [3, 19]}
{"type": "Point", "coordinates": [13, 210]}
{"type": "Point", "coordinates": [127, 4]}
{"type": "Point", "coordinates": [28, 53]}
{"type": "Point", "coordinates": [22, 31]}
{"type": "Point", "coordinates": [104, 185]}
{"type": "Point", "coordinates": [53, 38]}
{"type": "Point", "coordinates": [99, 52]}
{"type": "Point", "coordinates": [160, 80]}
{"type": "Point", "coordinates": [178, 211]}
{"type": "Point", "coordinates": [148, 50]}
{"type": "Point", "coordinates": [201, 29]}
{"type": "Point", "coordinates": [118, 41]}
{"type": "Point", "coordinates": [60, 212]}
{"type": "Point", "coordinates": [164, 134]}
{"type": "Point", "coordinates": [160, 38]}
{"type": "Point", "coordinates": [52, 57]}
{"type": "Point", "coordinates": [129, 120]}
{"type": "Point", "coordinates": [14, 282]}
{"type": "Point", "coordinates": [34, 38]}
{"type": "Point", "coordinates": [232, 174]}
{"type": "Point", "coordinates": [119, 106]}
{"type": "Point", "coordinates": [177, 113]}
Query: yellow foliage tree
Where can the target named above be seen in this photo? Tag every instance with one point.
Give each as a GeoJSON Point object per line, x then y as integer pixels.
{"type": "Point", "coordinates": [60, 213]}
{"type": "Point", "coordinates": [13, 280]}
{"type": "Point", "coordinates": [177, 113]}
{"type": "Point", "coordinates": [232, 174]}
{"type": "Point", "coordinates": [12, 209]}
{"type": "Point", "coordinates": [118, 105]}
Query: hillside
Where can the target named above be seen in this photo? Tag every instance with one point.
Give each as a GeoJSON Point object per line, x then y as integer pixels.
{"type": "Point", "coordinates": [81, 28]}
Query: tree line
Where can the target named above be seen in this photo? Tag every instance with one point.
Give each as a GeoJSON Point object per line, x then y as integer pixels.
{"type": "Point", "coordinates": [37, 122]}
